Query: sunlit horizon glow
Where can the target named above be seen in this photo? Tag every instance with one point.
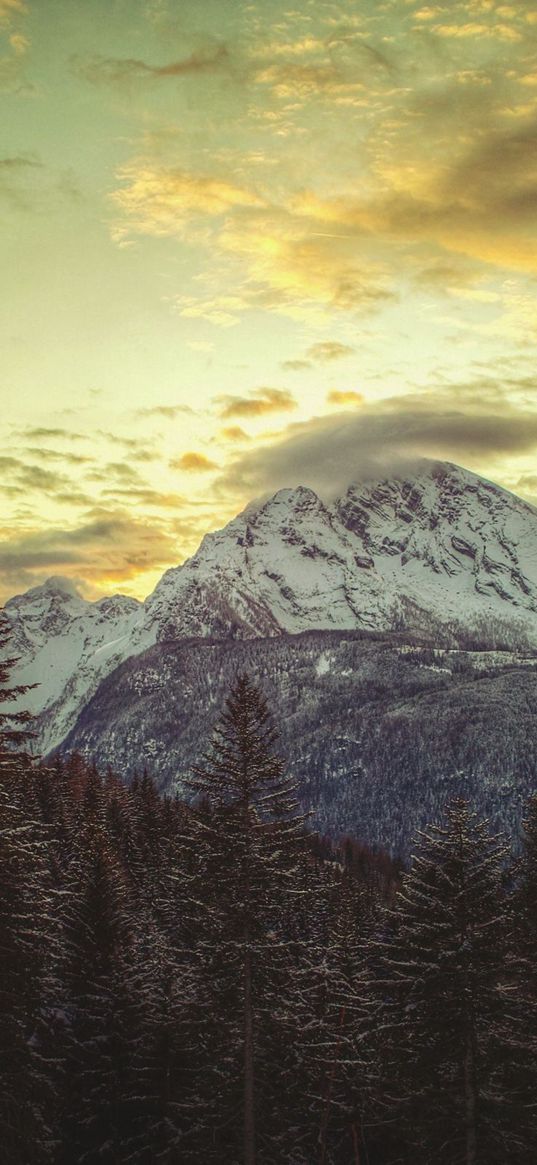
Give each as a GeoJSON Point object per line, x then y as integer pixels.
{"type": "Point", "coordinates": [232, 229]}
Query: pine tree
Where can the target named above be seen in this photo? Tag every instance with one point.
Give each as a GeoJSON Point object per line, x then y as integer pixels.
{"type": "Point", "coordinates": [101, 1007]}
{"type": "Point", "coordinates": [447, 1050]}
{"type": "Point", "coordinates": [26, 939]}
{"type": "Point", "coordinates": [248, 836]}
{"type": "Point", "coordinates": [324, 993]}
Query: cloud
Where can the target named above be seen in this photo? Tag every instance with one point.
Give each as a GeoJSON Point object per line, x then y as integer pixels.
{"type": "Point", "coordinates": [328, 350]}
{"type": "Point", "coordinates": [144, 496]}
{"type": "Point", "coordinates": [109, 545]}
{"type": "Point", "coordinates": [329, 452]}
{"type": "Point", "coordinates": [11, 8]}
{"type": "Point", "coordinates": [261, 402]}
{"type": "Point", "coordinates": [295, 365]}
{"type": "Point", "coordinates": [475, 29]}
{"type": "Point", "coordinates": [20, 478]}
{"type": "Point", "coordinates": [235, 434]}
{"type": "Point", "coordinates": [119, 71]}
{"type": "Point", "coordinates": [19, 43]}
{"type": "Point", "coordinates": [480, 204]}
{"type": "Point", "coordinates": [57, 455]}
{"type": "Point", "coordinates": [299, 268]}
{"type": "Point", "coordinates": [169, 412]}
{"type": "Point", "coordinates": [18, 162]}
{"type": "Point", "coordinates": [193, 463]}
{"type": "Point", "coordinates": [38, 433]}
{"type": "Point", "coordinates": [18, 175]}
{"type": "Point", "coordinates": [324, 352]}
{"type": "Point", "coordinates": [335, 397]}
{"type": "Point", "coordinates": [160, 201]}
{"type": "Point", "coordinates": [141, 449]}
{"type": "Point", "coordinates": [339, 69]}
{"type": "Point", "coordinates": [119, 471]}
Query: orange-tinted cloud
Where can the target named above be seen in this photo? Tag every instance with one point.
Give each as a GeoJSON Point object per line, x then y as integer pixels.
{"type": "Point", "coordinates": [328, 350]}
{"type": "Point", "coordinates": [234, 433]}
{"type": "Point", "coordinates": [335, 397]}
{"type": "Point", "coordinates": [159, 201]}
{"type": "Point", "coordinates": [262, 401]}
{"type": "Point", "coordinates": [107, 545]}
{"type": "Point", "coordinates": [193, 463]}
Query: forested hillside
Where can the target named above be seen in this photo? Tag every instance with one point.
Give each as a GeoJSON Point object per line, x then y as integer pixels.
{"type": "Point", "coordinates": [378, 730]}
{"type": "Point", "coordinates": [217, 984]}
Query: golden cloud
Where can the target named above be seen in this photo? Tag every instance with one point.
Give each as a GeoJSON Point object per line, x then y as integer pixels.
{"type": "Point", "coordinates": [262, 401]}
{"type": "Point", "coordinates": [343, 399]}
{"type": "Point", "coordinates": [108, 545]}
{"type": "Point", "coordinates": [473, 29]}
{"type": "Point", "coordinates": [193, 463]}
{"type": "Point", "coordinates": [300, 268]}
{"type": "Point", "coordinates": [19, 43]}
{"type": "Point", "coordinates": [235, 434]}
{"type": "Point", "coordinates": [160, 201]}
{"type": "Point", "coordinates": [10, 8]}
{"type": "Point", "coordinates": [328, 350]}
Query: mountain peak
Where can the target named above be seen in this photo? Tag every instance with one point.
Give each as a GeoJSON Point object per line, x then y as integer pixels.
{"type": "Point", "coordinates": [440, 551]}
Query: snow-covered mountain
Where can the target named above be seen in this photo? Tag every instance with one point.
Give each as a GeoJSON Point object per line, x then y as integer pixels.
{"type": "Point", "coordinates": [444, 546]}
{"type": "Point", "coordinates": [443, 552]}
{"type": "Point", "coordinates": [65, 646]}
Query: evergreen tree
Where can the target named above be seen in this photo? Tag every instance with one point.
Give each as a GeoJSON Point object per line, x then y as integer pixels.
{"type": "Point", "coordinates": [248, 837]}
{"type": "Point", "coordinates": [102, 1008]}
{"type": "Point", "coordinates": [26, 938]}
{"type": "Point", "coordinates": [447, 1050]}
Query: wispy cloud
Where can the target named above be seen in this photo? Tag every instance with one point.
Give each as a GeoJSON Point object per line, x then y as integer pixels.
{"type": "Point", "coordinates": [261, 402]}
{"type": "Point", "coordinates": [193, 462]}
{"type": "Point", "coordinates": [326, 351]}
{"type": "Point", "coordinates": [160, 201]}
{"type": "Point", "coordinates": [323, 352]}
{"type": "Point", "coordinates": [168, 412]}
{"type": "Point", "coordinates": [121, 70]}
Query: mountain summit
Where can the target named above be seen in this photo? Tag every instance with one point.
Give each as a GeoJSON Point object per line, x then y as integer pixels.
{"type": "Point", "coordinates": [443, 545]}
{"type": "Point", "coordinates": [443, 553]}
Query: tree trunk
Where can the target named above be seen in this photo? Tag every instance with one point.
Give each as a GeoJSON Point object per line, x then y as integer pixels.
{"type": "Point", "coordinates": [470, 1102]}
{"type": "Point", "coordinates": [249, 1115]}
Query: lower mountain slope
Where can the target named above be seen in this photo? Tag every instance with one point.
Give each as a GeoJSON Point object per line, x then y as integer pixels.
{"type": "Point", "coordinates": [378, 729]}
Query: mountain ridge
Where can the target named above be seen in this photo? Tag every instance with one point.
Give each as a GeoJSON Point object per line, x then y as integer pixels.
{"type": "Point", "coordinates": [443, 553]}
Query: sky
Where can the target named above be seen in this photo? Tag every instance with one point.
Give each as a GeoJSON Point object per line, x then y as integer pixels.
{"type": "Point", "coordinates": [249, 246]}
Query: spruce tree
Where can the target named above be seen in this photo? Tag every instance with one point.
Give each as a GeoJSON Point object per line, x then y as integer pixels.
{"type": "Point", "coordinates": [446, 1049]}
{"type": "Point", "coordinates": [248, 836]}
{"type": "Point", "coordinates": [26, 938]}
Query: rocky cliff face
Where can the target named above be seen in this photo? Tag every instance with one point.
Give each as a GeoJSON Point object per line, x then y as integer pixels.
{"type": "Point", "coordinates": [445, 545]}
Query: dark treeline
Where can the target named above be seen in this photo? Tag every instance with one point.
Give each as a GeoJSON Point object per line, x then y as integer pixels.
{"type": "Point", "coordinates": [216, 985]}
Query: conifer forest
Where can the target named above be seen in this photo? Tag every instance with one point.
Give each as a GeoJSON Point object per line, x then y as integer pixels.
{"type": "Point", "coordinates": [214, 982]}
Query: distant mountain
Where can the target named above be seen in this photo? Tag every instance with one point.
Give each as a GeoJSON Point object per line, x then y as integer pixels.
{"type": "Point", "coordinates": [65, 646]}
{"type": "Point", "coordinates": [443, 554]}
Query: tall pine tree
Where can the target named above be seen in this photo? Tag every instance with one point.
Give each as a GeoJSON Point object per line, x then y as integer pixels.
{"type": "Point", "coordinates": [447, 1050]}
{"type": "Point", "coordinates": [248, 836]}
